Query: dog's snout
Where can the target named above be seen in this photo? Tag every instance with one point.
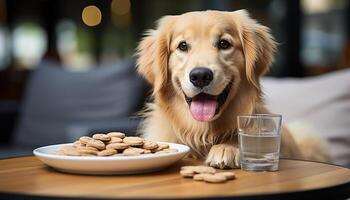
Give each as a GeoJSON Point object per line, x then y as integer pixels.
{"type": "Point", "coordinates": [201, 76]}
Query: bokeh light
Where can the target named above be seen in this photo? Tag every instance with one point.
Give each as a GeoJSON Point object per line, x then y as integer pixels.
{"type": "Point", "coordinates": [74, 46]}
{"type": "Point", "coordinates": [91, 15]}
{"type": "Point", "coordinates": [29, 44]}
{"type": "Point", "coordinates": [120, 7]}
{"type": "Point", "coordinates": [120, 13]}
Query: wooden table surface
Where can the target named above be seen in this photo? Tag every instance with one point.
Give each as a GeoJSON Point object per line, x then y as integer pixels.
{"type": "Point", "coordinates": [28, 176]}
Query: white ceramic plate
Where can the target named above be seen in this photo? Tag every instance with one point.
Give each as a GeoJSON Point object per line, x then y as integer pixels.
{"type": "Point", "coordinates": [109, 165]}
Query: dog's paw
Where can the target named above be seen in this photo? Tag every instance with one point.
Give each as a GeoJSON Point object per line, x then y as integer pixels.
{"type": "Point", "coordinates": [223, 156]}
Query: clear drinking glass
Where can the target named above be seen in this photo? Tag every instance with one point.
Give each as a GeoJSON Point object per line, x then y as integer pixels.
{"type": "Point", "coordinates": [259, 137]}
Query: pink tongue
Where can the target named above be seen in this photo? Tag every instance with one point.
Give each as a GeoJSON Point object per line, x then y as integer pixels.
{"type": "Point", "coordinates": [203, 107]}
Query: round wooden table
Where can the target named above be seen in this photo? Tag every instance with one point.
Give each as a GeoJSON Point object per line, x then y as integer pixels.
{"type": "Point", "coordinates": [27, 176]}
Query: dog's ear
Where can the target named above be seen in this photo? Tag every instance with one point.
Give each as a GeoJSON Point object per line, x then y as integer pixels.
{"type": "Point", "coordinates": [258, 46]}
{"type": "Point", "coordinates": [153, 52]}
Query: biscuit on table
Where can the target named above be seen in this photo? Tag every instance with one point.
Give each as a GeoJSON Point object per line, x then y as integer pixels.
{"type": "Point", "coordinates": [187, 173]}
{"type": "Point", "coordinates": [214, 178]}
{"type": "Point", "coordinates": [200, 169]}
{"type": "Point", "coordinates": [206, 173]}
{"type": "Point", "coordinates": [228, 175]}
{"type": "Point", "coordinates": [199, 177]}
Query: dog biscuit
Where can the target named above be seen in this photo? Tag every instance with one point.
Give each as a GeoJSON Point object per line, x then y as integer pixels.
{"type": "Point", "coordinates": [133, 141]}
{"type": "Point", "coordinates": [133, 151]}
{"type": "Point", "coordinates": [84, 139]}
{"type": "Point", "coordinates": [228, 175]}
{"type": "Point", "coordinates": [200, 169]}
{"type": "Point", "coordinates": [160, 152]}
{"type": "Point", "coordinates": [117, 146]}
{"type": "Point", "coordinates": [107, 152]}
{"type": "Point", "coordinates": [115, 140]}
{"type": "Point", "coordinates": [214, 178]}
{"type": "Point", "coordinates": [187, 173]}
{"type": "Point", "coordinates": [162, 146]}
{"type": "Point", "coordinates": [166, 151]}
{"type": "Point", "coordinates": [147, 151]}
{"type": "Point", "coordinates": [150, 145]}
{"type": "Point", "coordinates": [70, 151]}
{"type": "Point", "coordinates": [170, 150]}
{"type": "Point", "coordinates": [199, 177]}
{"type": "Point", "coordinates": [156, 150]}
{"type": "Point", "coordinates": [86, 148]}
{"type": "Point", "coordinates": [96, 143]}
{"type": "Point", "coordinates": [207, 174]}
{"type": "Point", "coordinates": [87, 151]}
{"type": "Point", "coordinates": [78, 144]}
{"type": "Point", "coordinates": [116, 134]}
{"type": "Point", "coordinates": [102, 137]}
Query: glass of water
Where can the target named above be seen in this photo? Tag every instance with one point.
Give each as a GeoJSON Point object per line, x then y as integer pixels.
{"type": "Point", "coordinates": [259, 137]}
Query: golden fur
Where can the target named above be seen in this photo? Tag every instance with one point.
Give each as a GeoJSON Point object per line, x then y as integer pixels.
{"type": "Point", "coordinates": [159, 61]}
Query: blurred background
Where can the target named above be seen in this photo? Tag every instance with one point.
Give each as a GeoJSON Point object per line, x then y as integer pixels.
{"type": "Point", "coordinates": [67, 67]}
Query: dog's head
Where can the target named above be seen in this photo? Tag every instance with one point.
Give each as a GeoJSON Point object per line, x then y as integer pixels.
{"type": "Point", "coordinates": [205, 57]}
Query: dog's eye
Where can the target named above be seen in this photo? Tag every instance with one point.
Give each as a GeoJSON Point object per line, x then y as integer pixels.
{"type": "Point", "coordinates": [183, 46]}
{"type": "Point", "coordinates": [223, 44]}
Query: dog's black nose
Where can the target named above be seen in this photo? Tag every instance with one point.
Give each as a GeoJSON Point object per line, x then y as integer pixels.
{"type": "Point", "coordinates": [201, 76]}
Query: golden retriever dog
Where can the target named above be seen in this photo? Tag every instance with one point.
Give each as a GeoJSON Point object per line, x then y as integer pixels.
{"type": "Point", "coordinates": [205, 68]}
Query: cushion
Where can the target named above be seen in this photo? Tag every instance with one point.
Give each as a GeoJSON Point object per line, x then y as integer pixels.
{"type": "Point", "coordinates": [58, 101]}
{"type": "Point", "coordinates": [321, 102]}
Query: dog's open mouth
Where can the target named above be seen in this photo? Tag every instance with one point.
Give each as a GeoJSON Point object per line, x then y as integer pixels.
{"type": "Point", "coordinates": [204, 106]}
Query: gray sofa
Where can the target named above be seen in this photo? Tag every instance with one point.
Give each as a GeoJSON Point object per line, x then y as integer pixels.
{"type": "Point", "coordinates": [59, 105]}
